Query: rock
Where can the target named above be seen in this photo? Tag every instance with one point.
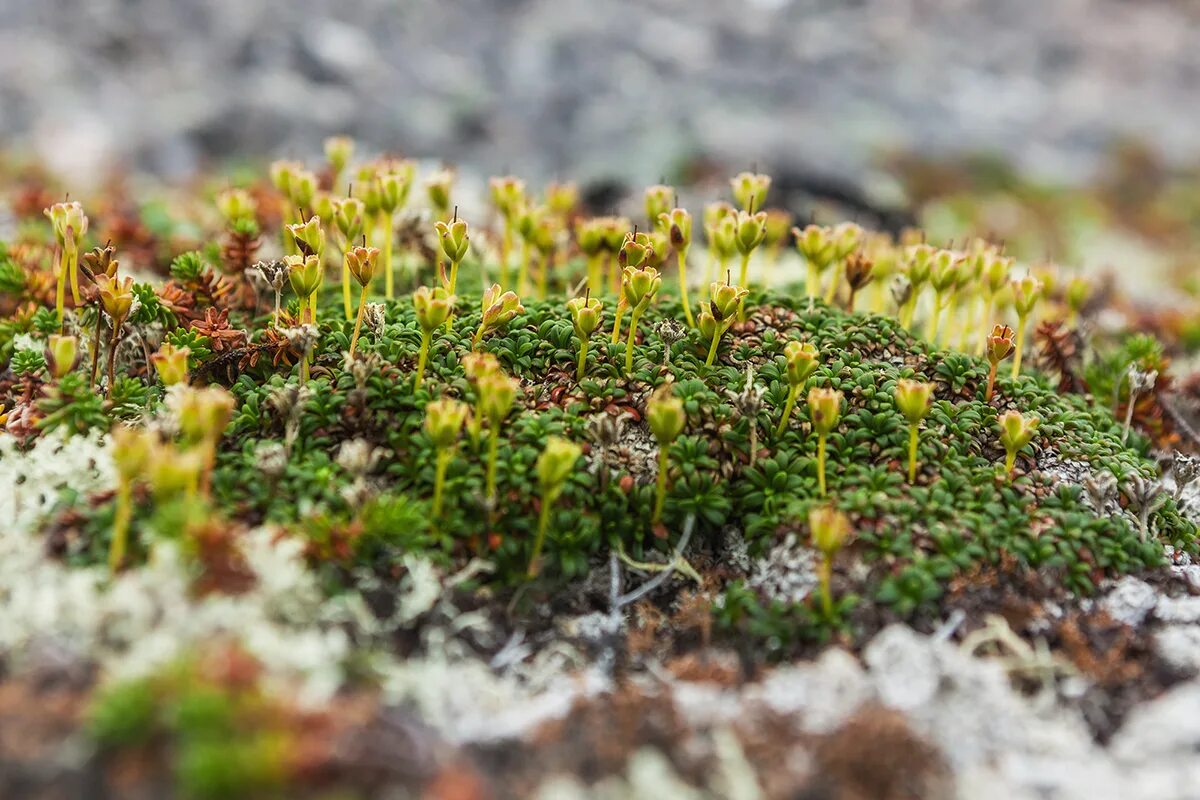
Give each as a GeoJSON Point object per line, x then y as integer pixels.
{"type": "Point", "coordinates": [1130, 601]}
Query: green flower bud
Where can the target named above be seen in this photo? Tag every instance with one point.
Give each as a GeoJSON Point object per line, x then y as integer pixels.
{"type": "Point", "coordinates": [678, 225]}
{"type": "Point", "coordinates": [454, 239]}
{"type": "Point", "coordinates": [433, 306]}
{"type": "Point", "coordinates": [724, 299]}
{"type": "Point", "coordinates": [499, 308]}
{"type": "Point", "coordinates": [116, 296]}
{"type": "Point", "coordinates": [202, 413]}
{"type": "Point", "coordinates": [586, 314]}
{"type": "Point", "coordinates": [338, 151]}
{"type": "Point", "coordinates": [236, 204]}
{"type": "Point", "coordinates": [635, 250]}
{"type": "Point", "coordinates": [945, 269]}
{"type": "Point", "coordinates": [394, 185]}
{"type": "Point", "coordinates": [282, 173]}
{"type": "Point", "coordinates": [444, 419]}
{"type": "Point", "coordinates": [659, 199]}
{"type": "Point", "coordinates": [816, 245]}
{"type": "Point", "coordinates": [438, 186]}
{"type": "Point", "coordinates": [555, 463]}
{"type": "Point", "coordinates": [665, 415]}
{"type": "Point", "coordinates": [478, 364]}
{"type": "Point", "coordinates": [722, 236]}
{"type": "Point", "coordinates": [361, 263]}
{"type": "Point", "coordinates": [591, 235]}
{"type": "Point", "coordinates": [302, 188]}
{"type": "Point", "coordinates": [1077, 292]}
{"type": "Point", "coordinates": [995, 272]}
{"type": "Point", "coordinates": [640, 285]}
{"type": "Point", "coordinates": [707, 324]}
{"type": "Point", "coordinates": [309, 236]}
{"type": "Point", "coordinates": [918, 265]}
{"type": "Point", "coordinates": [69, 223]}
{"type": "Point", "coordinates": [304, 273]}
{"type": "Point", "coordinates": [348, 215]}
{"type": "Point", "coordinates": [62, 355]}
{"type": "Point", "coordinates": [171, 471]}
{"type": "Point", "coordinates": [846, 238]}
{"type": "Point", "coordinates": [131, 450]}
{"type": "Point", "coordinates": [829, 527]}
{"type": "Point", "coordinates": [750, 190]}
{"type": "Point", "coordinates": [914, 399]}
{"type": "Point", "coordinates": [751, 230]}
{"type": "Point", "coordinates": [824, 409]}
{"type": "Point", "coordinates": [802, 359]}
{"type": "Point", "coordinates": [171, 364]}
{"type": "Point", "coordinates": [615, 231]}
{"type": "Point", "coordinates": [779, 224]}
{"type": "Point", "coordinates": [1016, 431]}
{"type": "Point", "coordinates": [508, 196]}
{"type": "Point", "coordinates": [999, 344]}
{"type": "Point", "coordinates": [1025, 294]}
{"type": "Point", "coordinates": [497, 392]}
{"type": "Point", "coordinates": [561, 198]}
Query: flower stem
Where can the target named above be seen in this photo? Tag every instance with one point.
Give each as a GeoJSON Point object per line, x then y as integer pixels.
{"type": "Point", "coordinates": [1020, 345]}
{"type": "Point", "coordinates": [60, 295]}
{"type": "Point", "coordinates": [825, 574]}
{"type": "Point", "coordinates": [660, 486]}
{"type": "Point", "coordinates": [548, 499]}
{"type": "Point", "coordinates": [633, 323]}
{"type": "Point", "coordinates": [346, 289]}
{"type": "Point", "coordinates": [712, 349]}
{"type": "Point", "coordinates": [389, 280]}
{"type": "Point", "coordinates": [1009, 462]}
{"type": "Point", "coordinates": [362, 305]}
{"type": "Point", "coordinates": [813, 284]}
{"type": "Point", "coordinates": [523, 269]}
{"type": "Point", "coordinates": [112, 357]}
{"type": "Point", "coordinates": [121, 519]}
{"type": "Point", "coordinates": [73, 263]}
{"type": "Point", "coordinates": [581, 367]}
{"type": "Point", "coordinates": [616, 331]}
{"type": "Point", "coordinates": [593, 272]}
{"type": "Point", "coordinates": [991, 386]}
{"type": "Point", "coordinates": [913, 437]}
{"type": "Point", "coordinates": [989, 305]}
{"type": "Point", "coordinates": [683, 288]}
{"type": "Point", "coordinates": [422, 359]}
{"type": "Point", "coordinates": [505, 254]}
{"type": "Point", "coordinates": [935, 320]}
{"type": "Point", "coordinates": [834, 280]}
{"type": "Point", "coordinates": [439, 481]}
{"type": "Point", "coordinates": [493, 458]}
{"type": "Point", "coordinates": [821, 463]}
{"type": "Point", "coordinates": [793, 393]}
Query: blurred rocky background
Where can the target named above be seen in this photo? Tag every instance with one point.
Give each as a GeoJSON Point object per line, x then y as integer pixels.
{"type": "Point", "coordinates": [624, 89]}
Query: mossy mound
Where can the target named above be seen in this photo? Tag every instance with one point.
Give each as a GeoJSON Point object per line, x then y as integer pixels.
{"type": "Point", "coordinates": [910, 540]}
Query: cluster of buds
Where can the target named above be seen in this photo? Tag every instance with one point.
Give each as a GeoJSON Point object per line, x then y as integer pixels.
{"type": "Point", "coordinates": [639, 285]}
{"type": "Point", "coordinates": [724, 301]}
{"type": "Point", "coordinates": [499, 309]}
{"type": "Point", "coordinates": [677, 224]}
{"type": "Point", "coordinates": [750, 190]}
{"type": "Point", "coordinates": [586, 315]}
{"type": "Point", "coordinates": [61, 355]}
{"type": "Point", "coordinates": [1016, 431]}
{"type": "Point", "coordinates": [720, 232]}
{"type": "Point", "coordinates": [496, 393]}
{"type": "Point", "coordinates": [824, 410]}
{"type": "Point", "coordinates": [823, 248]}
{"type": "Point", "coordinates": [338, 152]}
{"type": "Point", "coordinates": [666, 418]}
{"type": "Point", "coordinates": [554, 467]}
{"type": "Point", "coordinates": [600, 238]}
{"type": "Point", "coordinates": [309, 236]}
{"type": "Point", "coordinates": [508, 197]}
{"type": "Point", "coordinates": [439, 187]}
{"type": "Point", "coordinates": [70, 225]}
{"type": "Point", "coordinates": [171, 364]}
{"type": "Point", "coordinates": [914, 399]}
{"type": "Point", "coordinates": [433, 307]}
{"type": "Point", "coordinates": [830, 530]}
{"type": "Point", "coordinates": [659, 200]}
{"type": "Point", "coordinates": [998, 346]}
{"type": "Point", "coordinates": [801, 360]}
{"type": "Point", "coordinates": [359, 263]}
{"type": "Point", "coordinates": [236, 205]}
{"type": "Point", "coordinates": [444, 420]}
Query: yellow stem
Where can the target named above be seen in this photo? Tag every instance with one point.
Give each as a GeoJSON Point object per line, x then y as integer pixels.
{"type": "Point", "coordinates": [633, 323]}
{"type": "Point", "coordinates": [548, 498]}
{"type": "Point", "coordinates": [362, 304]}
{"type": "Point", "coordinates": [913, 437]}
{"type": "Point", "coordinates": [821, 463]}
{"type": "Point", "coordinates": [1020, 346]}
{"type": "Point", "coordinates": [493, 457]}
{"type": "Point", "coordinates": [793, 393]}
{"type": "Point", "coordinates": [683, 287]}
{"type": "Point", "coordinates": [426, 338]}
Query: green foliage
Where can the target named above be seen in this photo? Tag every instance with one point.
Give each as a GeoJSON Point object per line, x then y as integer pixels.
{"type": "Point", "coordinates": [28, 362]}
{"type": "Point", "coordinates": [72, 404]}
{"type": "Point", "coordinates": [12, 277]}
{"type": "Point", "coordinates": [150, 308]}
{"type": "Point", "coordinates": [187, 267]}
